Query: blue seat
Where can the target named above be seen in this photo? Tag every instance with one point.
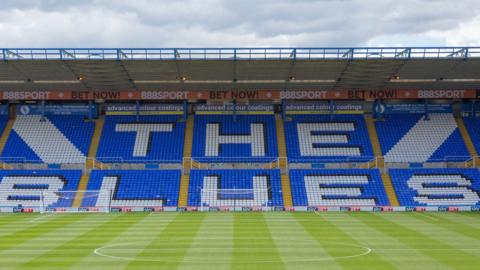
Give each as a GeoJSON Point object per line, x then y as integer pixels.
{"type": "Point", "coordinates": [436, 187]}
{"type": "Point", "coordinates": [437, 139]}
{"type": "Point", "coordinates": [137, 185]}
{"type": "Point", "coordinates": [163, 147]}
{"type": "Point", "coordinates": [337, 187]}
{"type": "Point", "coordinates": [234, 151]}
{"type": "Point", "coordinates": [357, 138]}
{"type": "Point", "coordinates": [229, 181]}
{"type": "Point", "coordinates": [39, 188]}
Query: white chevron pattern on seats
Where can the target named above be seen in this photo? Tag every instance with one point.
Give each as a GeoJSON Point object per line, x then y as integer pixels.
{"type": "Point", "coordinates": [423, 139]}
{"type": "Point", "coordinates": [46, 140]}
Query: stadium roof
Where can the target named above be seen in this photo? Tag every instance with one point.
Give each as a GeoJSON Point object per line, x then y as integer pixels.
{"type": "Point", "coordinates": [240, 68]}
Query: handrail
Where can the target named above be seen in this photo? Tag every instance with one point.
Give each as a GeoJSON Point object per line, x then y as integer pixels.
{"type": "Point", "coordinates": [254, 53]}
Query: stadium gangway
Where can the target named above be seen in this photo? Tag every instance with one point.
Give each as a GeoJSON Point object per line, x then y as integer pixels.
{"type": "Point", "coordinates": [278, 53]}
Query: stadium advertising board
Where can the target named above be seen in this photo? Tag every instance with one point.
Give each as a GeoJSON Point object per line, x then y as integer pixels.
{"type": "Point", "coordinates": [230, 109]}
{"type": "Point", "coordinates": [471, 108]}
{"type": "Point", "coordinates": [3, 109]}
{"type": "Point", "coordinates": [61, 109]}
{"type": "Point", "coordinates": [143, 109]}
{"type": "Point", "coordinates": [238, 94]}
{"type": "Point", "coordinates": [411, 108]}
{"type": "Point", "coordinates": [323, 108]}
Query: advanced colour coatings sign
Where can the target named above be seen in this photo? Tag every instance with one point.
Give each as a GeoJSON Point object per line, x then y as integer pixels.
{"type": "Point", "coordinates": [230, 109]}
{"type": "Point", "coordinates": [319, 108]}
{"type": "Point", "coordinates": [143, 109]}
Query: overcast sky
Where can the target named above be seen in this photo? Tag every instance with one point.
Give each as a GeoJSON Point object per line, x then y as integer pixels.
{"type": "Point", "coordinates": [238, 23]}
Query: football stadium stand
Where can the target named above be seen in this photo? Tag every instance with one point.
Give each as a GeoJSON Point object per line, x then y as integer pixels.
{"type": "Point", "coordinates": [437, 187]}
{"type": "Point", "coordinates": [355, 187]}
{"type": "Point", "coordinates": [411, 138]}
{"type": "Point", "coordinates": [277, 128]}
{"type": "Point", "coordinates": [245, 138]}
{"type": "Point", "coordinates": [38, 188]}
{"type": "Point", "coordinates": [314, 138]}
{"type": "Point", "coordinates": [49, 139]}
{"type": "Point", "coordinates": [150, 139]}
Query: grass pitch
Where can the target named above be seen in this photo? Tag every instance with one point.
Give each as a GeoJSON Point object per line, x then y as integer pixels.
{"type": "Point", "coordinates": [240, 241]}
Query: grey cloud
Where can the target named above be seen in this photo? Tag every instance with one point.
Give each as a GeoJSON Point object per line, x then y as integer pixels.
{"type": "Point", "coordinates": [215, 23]}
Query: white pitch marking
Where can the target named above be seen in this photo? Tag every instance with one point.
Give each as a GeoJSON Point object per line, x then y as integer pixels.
{"type": "Point", "coordinates": [98, 252]}
{"type": "Point", "coordinates": [40, 217]}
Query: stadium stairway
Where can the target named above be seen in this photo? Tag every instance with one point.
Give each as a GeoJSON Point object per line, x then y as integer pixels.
{"type": "Point", "coordinates": [187, 162]}
{"type": "Point", "coordinates": [82, 185]}
{"type": "Point", "coordinates": [4, 138]}
{"type": "Point", "coordinates": [97, 134]}
{"type": "Point", "coordinates": [282, 162]}
{"type": "Point", "coordinates": [387, 181]}
{"type": "Point", "coordinates": [468, 142]}
{"type": "Point", "coordinates": [90, 163]}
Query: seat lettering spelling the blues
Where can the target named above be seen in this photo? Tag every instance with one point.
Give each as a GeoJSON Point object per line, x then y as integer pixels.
{"type": "Point", "coordinates": [41, 188]}
{"type": "Point", "coordinates": [153, 138]}
{"type": "Point", "coordinates": [312, 138]}
{"type": "Point", "coordinates": [358, 187]}
{"type": "Point", "coordinates": [436, 187]}
{"type": "Point", "coordinates": [235, 188]}
{"type": "Point", "coordinates": [249, 138]}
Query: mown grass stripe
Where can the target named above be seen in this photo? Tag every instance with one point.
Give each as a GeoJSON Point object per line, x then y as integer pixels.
{"type": "Point", "coordinates": [435, 229]}
{"type": "Point", "coordinates": [253, 246]}
{"type": "Point", "coordinates": [450, 225]}
{"type": "Point", "coordinates": [330, 236]}
{"type": "Point", "coordinates": [143, 232]}
{"type": "Point", "coordinates": [295, 245]}
{"type": "Point", "coordinates": [168, 249]}
{"type": "Point", "coordinates": [35, 247]}
{"type": "Point", "coordinates": [433, 248]}
{"type": "Point", "coordinates": [391, 249]}
{"type": "Point", "coordinates": [37, 229]}
{"type": "Point", "coordinates": [472, 221]}
{"type": "Point", "coordinates": [6, 220]}
{"type": "Point", "coordinates": [73, 250]}
{"type": "Point", "coordinates": [212, 247]}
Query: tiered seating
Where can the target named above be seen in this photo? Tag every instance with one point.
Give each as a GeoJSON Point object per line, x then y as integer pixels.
{"type": "Point", "coordinates": [473, 127]}
{"type": "Point", "coordinates": [317, 138]}
{"type": "Point", "coordinates": [251, 138]}
{"type": "Point", "coordinates": [436, 187]}
{"type": "Point", "coordinates": [38, 188]}
{"type": "Point", "coordinates": [217, 188]}
{"type": "Point", "coordinates": [152, 139]}
{"type": "Point", "coordinates": [133, 188]}
{"type": "Point", "coordinates": [409, 138]}
{"type": "Point", "coordinates": [356, 187]}
{"type": "Point", "coordinates": [57, 139]}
